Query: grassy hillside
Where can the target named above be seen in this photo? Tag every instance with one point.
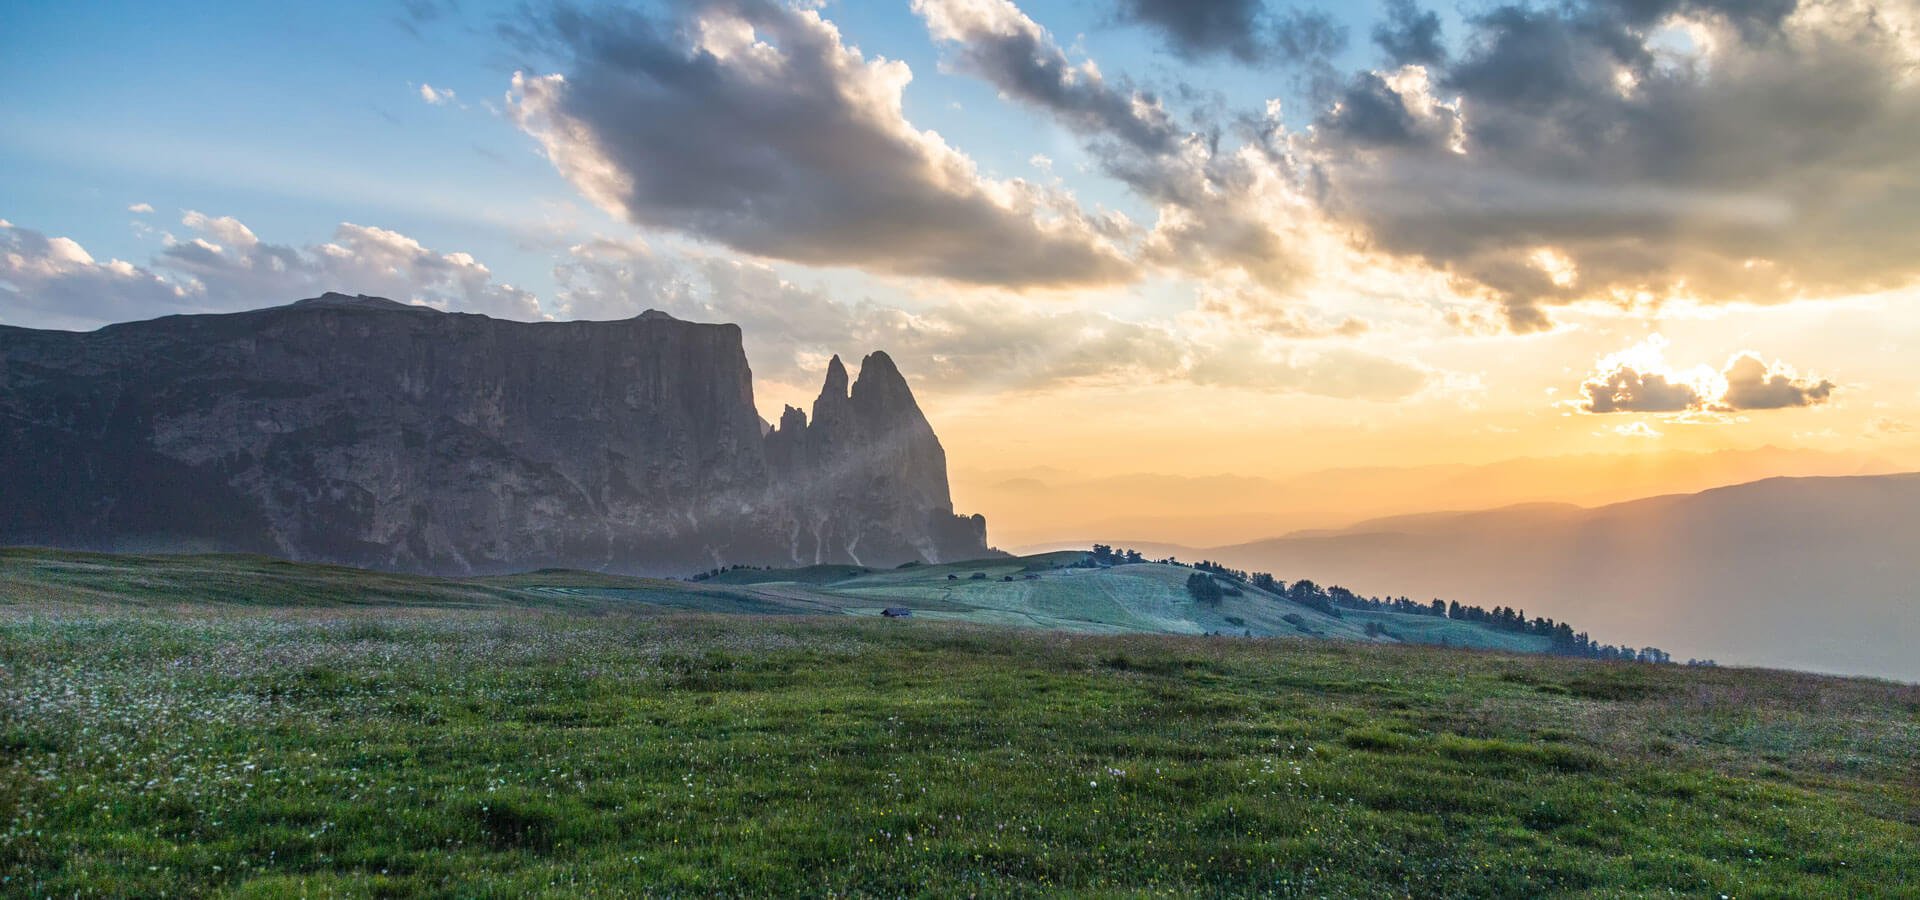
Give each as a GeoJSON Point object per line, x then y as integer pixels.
{"type": "Point", "coordinates": [381, 742]}
{"type": "Point", "coordinates": [1044, 591]}
{"type": "Point", "coordinates": [54, 579]}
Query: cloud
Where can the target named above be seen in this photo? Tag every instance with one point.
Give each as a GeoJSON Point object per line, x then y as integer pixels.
{"type": "Point", "coordinates": [1888, 427]}
{"type": "Point", "coordinates": [1637, 430]}
{"type": "Point", "coordinates": [235, 270]}
{"type": "Point", "coordinates": [56, 283]}
{"type": "Point", "coordinates": [986, 343]}
{"type": "Point", "coordinates": [1626, 389]}
{"type": "Point", "coordinates": [1277, 367]}
{"type": "Point", "coordinates": [223, 266]}
{"type": "Point", "coordinates": [751, 124]}
{"type": "Point", "coordinates": [1247, 306]}
{"type": "Point", "coordinates": [1217, 209]}
{"type": "Point", "coordinates": [1410, 35]}
{"type": "Point", "coordinates": [140, 209]}
{"type": "Point", "coordinates": [1752, 384]}
{"type": "Point", "coordinates": [1244, 30]}
{"type": "Point", "coordinates": [1001, 44]}
{"type": "Point", "coordinates": [1638, 380]}
{"type": "Point", "coordinates": [417, 15]}
{"type": "Point", "coordinates": [1710, 150]}
{"type": "Point", "coordinates": [436, 96]}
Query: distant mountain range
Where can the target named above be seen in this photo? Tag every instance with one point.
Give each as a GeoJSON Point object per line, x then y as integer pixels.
{"type": "Point", "coordinates": [362, 431]}
{"type": "Point", "coordinates": [1807, 573]}
{"type": "Point", "coordinates": [1036, 508]}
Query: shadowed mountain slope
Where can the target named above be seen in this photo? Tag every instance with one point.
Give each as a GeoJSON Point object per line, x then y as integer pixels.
{"type": "Point", "coordinates": [362, 431]}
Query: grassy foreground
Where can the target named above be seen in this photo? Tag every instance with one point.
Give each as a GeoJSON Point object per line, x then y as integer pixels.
{"type": "Point", "coordinates": [502, 751]}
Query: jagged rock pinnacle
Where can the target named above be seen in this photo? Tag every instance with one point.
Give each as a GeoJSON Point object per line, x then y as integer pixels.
{"type": "Point", "coordinates": [836, 383]}
{"type": "Point", "coordinates": [881, 387]}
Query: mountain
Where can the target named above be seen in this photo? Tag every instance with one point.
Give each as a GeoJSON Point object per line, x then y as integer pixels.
{"type": "Point", "coordinates": [868, 449]}
{"type": "Point", "coordinates": [1044, 508]}
{"type": "Point", "coordinates": [362, 431]}
{"type": "Point", "coordinates": [1804, 573]}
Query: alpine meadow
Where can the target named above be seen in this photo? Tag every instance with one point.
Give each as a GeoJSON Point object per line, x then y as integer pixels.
{"type": "Point", "coordinates": [960, 448]}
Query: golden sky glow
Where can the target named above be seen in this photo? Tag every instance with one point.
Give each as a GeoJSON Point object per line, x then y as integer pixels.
{"type": "Point", "coordinates": [1098, 244]}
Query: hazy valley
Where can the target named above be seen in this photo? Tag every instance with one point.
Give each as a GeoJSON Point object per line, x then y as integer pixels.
{"type": "Point", "coordinates": [1810, 573]}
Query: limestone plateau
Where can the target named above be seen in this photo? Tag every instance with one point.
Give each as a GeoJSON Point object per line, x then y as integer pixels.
{"type": "Point", "coordinates": [362, 431]}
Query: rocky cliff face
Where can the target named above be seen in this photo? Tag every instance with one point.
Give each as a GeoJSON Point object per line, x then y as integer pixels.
{"type": "Point", "coordinates": [362, 431]}
{"type": "Point", "coordinates": [871, 450]}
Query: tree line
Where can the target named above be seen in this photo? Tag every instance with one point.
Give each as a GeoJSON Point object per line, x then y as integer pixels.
{"type": "Point", "coordinates": [1212, 581]}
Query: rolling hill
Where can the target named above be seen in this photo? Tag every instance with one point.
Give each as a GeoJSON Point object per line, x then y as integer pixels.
{"type": "Point", "coordinates": [1045, 591]}
{"type": "Point", "coordinates": [235, 726]}
{"type": "Point", "coordinates": [1807, 573]}
{"type": "Point", "coordinates": [1048, 591]}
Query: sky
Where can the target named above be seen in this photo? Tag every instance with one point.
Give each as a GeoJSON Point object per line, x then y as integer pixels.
{"type": "Point", "coordinates": [1187, 239]}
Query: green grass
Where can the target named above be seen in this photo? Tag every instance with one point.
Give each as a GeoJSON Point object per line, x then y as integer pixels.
{"type": "Point", "coordinates": [1042, 591]}
{"type": "Point", "coordinates": [381, 742]}
{"type": "Point", "coordinates": [1046, 591]}
{"type": "Point", "coordinates": [53, 579]}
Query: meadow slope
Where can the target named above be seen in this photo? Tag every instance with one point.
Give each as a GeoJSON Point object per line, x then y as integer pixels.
{"type": "Point", "coordinates": [363, 744]}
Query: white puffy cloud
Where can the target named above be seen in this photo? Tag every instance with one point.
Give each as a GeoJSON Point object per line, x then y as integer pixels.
{"type": "Point", "coordinates": [223, 266]}
{"type": "Point", "coordinates": [1626, 389]}
{"type": "Point", "coordinates": [436, 96]}
{"type": "Point", "coordinates": [1753, 384]}
{"type": "Point", "coordinates": [140, 209]}
{"type": "Point", "coordinates": [1638, 430]}
{"type": "Point", "coordinates": [56, 283]}
{"type": "Point", "coordinates": [233, 269]}
{"type": "Point", "coordinates": [1639, 380]}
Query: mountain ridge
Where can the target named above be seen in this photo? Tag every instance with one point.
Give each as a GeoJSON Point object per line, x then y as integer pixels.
{"type": "Point", "coordinates": [359, 430]}
{"type": "Point", "coordinates": [1813, 572]}
{"type": "Point", "coordinates": [1037, 507]}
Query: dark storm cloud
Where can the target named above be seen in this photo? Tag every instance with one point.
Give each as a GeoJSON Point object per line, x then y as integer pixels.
{"type": "Point", "coordinates": [1410, 35]}
{"type": "Point", "coordinates": [753, 125]}
{"type": "Point", "coordinates": [1372, 113]}
{"type": "Point", "coordinates": [1245, 30]}
{"type": "Point", "coordinates": [1721, 151]}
